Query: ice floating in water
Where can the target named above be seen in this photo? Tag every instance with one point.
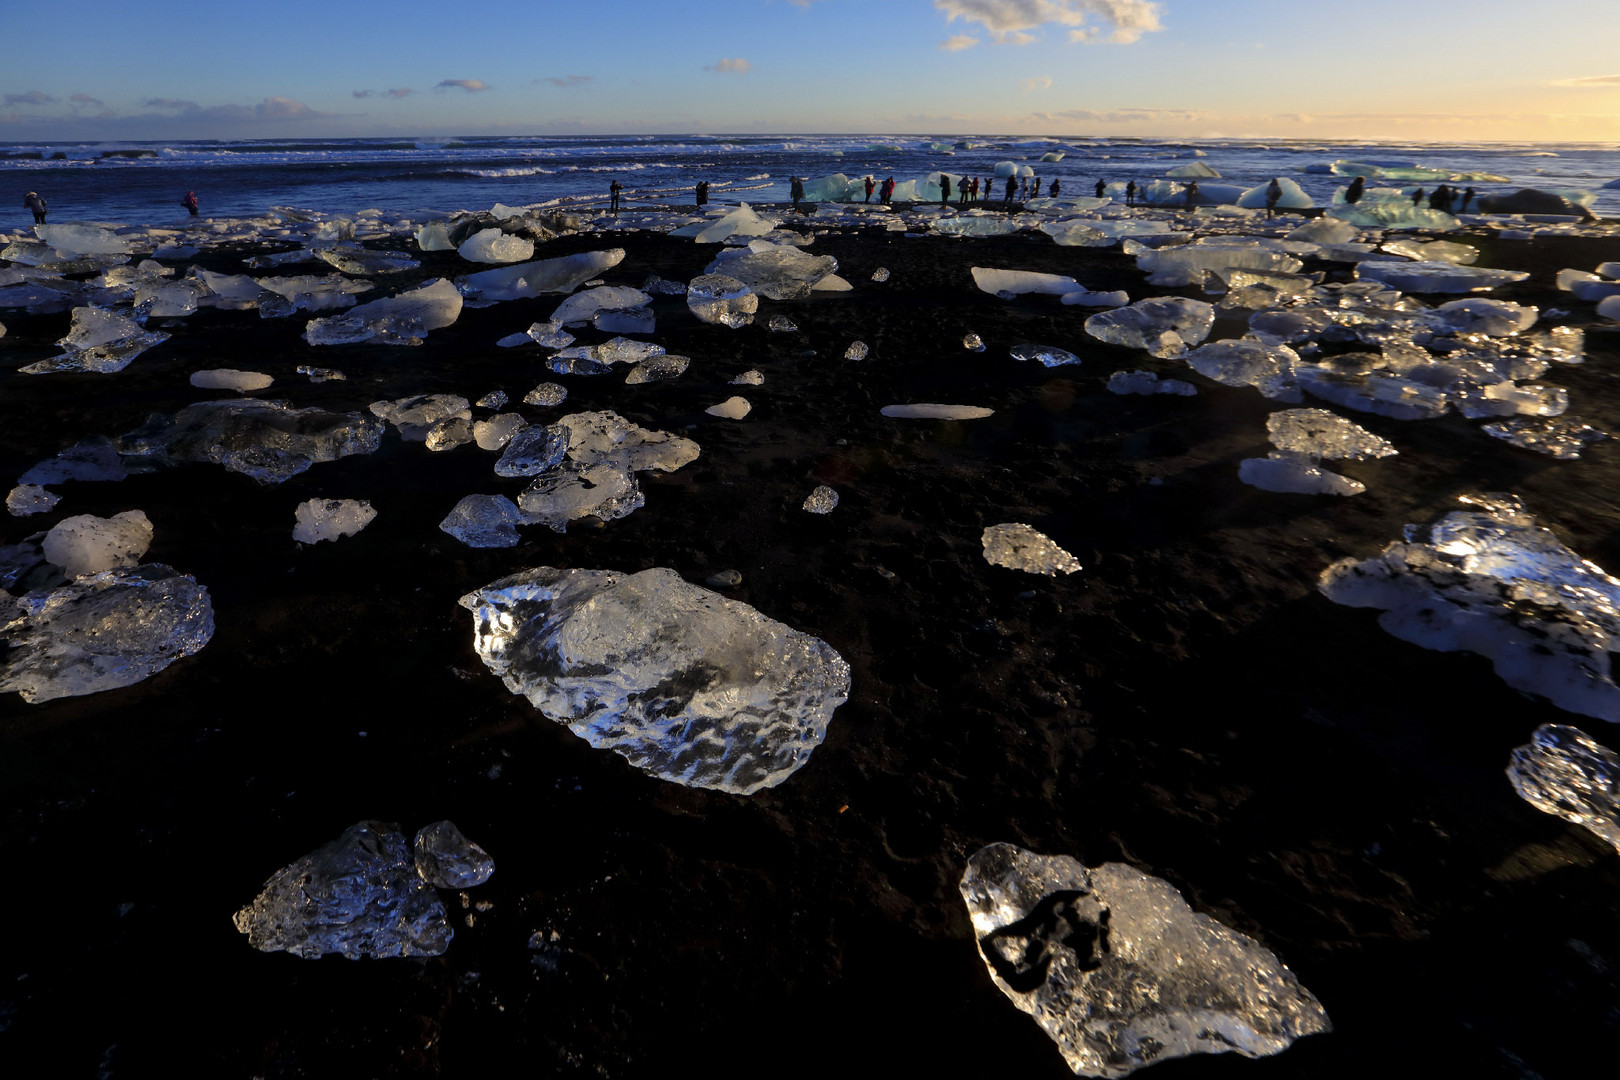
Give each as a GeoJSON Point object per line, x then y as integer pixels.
{"type": "Point", "coordinates": [928, 411]}
{"type": "Point", "coordinates": [1493, 582]}
{"type": "Point", "coordinates": [484, 521]}
{"type": "Point", "coordinates": [102, 631]}
{"type": "Point", "coordinates": [267, 440]}
{"type": "Point", "coordinates": [415, 416]}
{"type": "Point", "coordinates": [1436, 277]}
{"type": "Point", "coordinates": [1562, 437]}
{"type": "Point", "coordinates": [399, 320]}
{"type": "Point", "coordinates": [1297, 474]}
{"type": "Point", "coordinates": [87, 544]}
{"type": "Point", "coordinates": [733, 408]}
{"type": "Point", "coordinates": [330, 519]}
{"type": "Point", "coordinates": [823, 500]}
{"type": "Point", "coordinates": [532, 279]}
{"type": "Point", "coordinates": [26, 499]}
{"type": "Point", "coordinates": [683, 683]}
{"type": "Point", "coordinates": [1010, 283]}
{"type": "Point", "coordinates": [230, 379]}
{"type": "Point", "coordinates": [1020, 547]}
{"type": "Point", "coordinates": [1145, 382]}
{"type": "Point", "coordinates": [772, 271]}
{"type": "Point", "coordinates": [495, 246]}
{"type": "Point", "coordinates": [362, 895]}
{"type": "Point", "coordinates": [1564, 772]}
{"type": "Point", "coordinates": [1120, 972]}
{"type": "Point", "coordinates": [1163, 325]}
{"type": "Point", "coordinates": [99, 341]}
{"type": "Point", "coordinates": [1046, 355]}
{"type": "Point", "coordinates": [1325, 435]}
{"type": "Point", "coordinates": [721, 300]}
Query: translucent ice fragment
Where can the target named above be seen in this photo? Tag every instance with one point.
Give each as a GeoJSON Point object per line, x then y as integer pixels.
{"type": "Point", "coordinates": [973, 342]}
{"type": "Point", "coordinates": [1045, 355]}
{"type": "Point", "coordinates": [1561, 437]}
{"type": "Point", "coordinates": [95, 458]}
{"type": "Point", "coordinates": [1564, 772]}
{"type": "Point", "coordinates": [1008, 283]}
{"type": "Point", "coordinates": [750, 377]}
{"type": "Point", "coordinates": [398, 320]}
{"type": "Point", "coordinates": [495, 246]}
{"type": "Point", "coordinates": [497, 431]}
{"type": "Point", "coordinates": [1299, 474]}
{"type": "Point", "coordinates": [533, 450]}
{"type": "Point", "coordinates": [25, 499]}
{"type": "Point", "coordinates": [1247, 362]}
{"type": "Point", "coordinates": [1020, 547]}
{"type": "Point", "coordinates": [1435, 277]}
{"type": "Point", "coordinates": [104, 631]}
{"type": "Point", "coordinates": [1145, 382]}
{"type": "Point", "coordinates": [267, 440]}
{"type": "Point", "coordinates": [685, 684]}
{"type": "Point", "coordinates": [721, 300]}
{"type": "Point", "coordinates": [1325, 435]}
{"type": "Point", "coordinates": [1163, 325]}
{"type": "Point", "coordinates": [447, 859]}
{"type": "Point", "coordinates": [930, 411]}
{"type": "Point", "coordinates": [546, 394]}
{"type": "Point", "coordinates": [823, 500]}
{"type": "Point", "coordinates": [1120, 972]}
{"type": "Point", "coordinates": [857, 351]}
{"type": "Point", "coordinates": [657, 369]}
{"type": "Point", "coordinates": [583, 306]}
{"type": "Point", "coordinates": [82, 239]}
{"type": "Point", "coordinates": [781, 324]}
{"type": "Point", "coordinates": [99, 341]}
{"type": "Point", "coordinates": [87, 544]}
{"type": "Point", "coordinates": [773, 271]}
{"type": "Point", "coordinates": [415, 416]}
{"type": "Point", "coordinates": [531, 279]}
{"type": "Point", "coordinates": [484, 521]}
{"type": "Point", "coordinates": [330, 519]}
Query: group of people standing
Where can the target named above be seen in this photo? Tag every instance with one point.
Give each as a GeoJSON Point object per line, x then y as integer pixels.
{"type": "Point", "coordinates": [1446, 199]}
{"type": "Point", "coordinates": [34, 202]}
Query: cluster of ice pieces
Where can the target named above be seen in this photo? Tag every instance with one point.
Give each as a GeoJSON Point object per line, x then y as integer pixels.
{"type": "Point", "coordinates": [683, 683]}
{"type": "Point", "coordinates": [366, 894]}
{"type": "Point", "coordinates": [1165, 326]}
{"type": "Point", "coordinates": [1020, 547]}
{"type": "Point", "coordinates": [1492, 581]}
{"type": "Point", "coordinates": [1564, 772]}
{"type": "Point", "coordinates": [1120, 972]}
{"type": "Point", "coordinates": [1304, 437]}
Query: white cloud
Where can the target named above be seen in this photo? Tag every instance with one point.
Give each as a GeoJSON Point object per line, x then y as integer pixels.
{"type": "Point", "coordinates": [1600, 82]}
{"type": "Point", "coordinates": [731, 65]}
{"type": "Point", "coordinates": [1010, 21]}
{"type": "Point", "coordinates": [1039, 82]}
{"type": "Point", "coordinates": [958, 42]}
{"type": "Point", "coordinates": [472, 86]}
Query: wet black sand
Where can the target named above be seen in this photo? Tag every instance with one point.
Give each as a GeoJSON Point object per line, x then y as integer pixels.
{"type": "Point", "coordinates": [1186, 703]}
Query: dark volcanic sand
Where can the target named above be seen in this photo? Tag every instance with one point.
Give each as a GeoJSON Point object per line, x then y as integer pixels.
{"type": "Point", "coordinates": [1187, 703]}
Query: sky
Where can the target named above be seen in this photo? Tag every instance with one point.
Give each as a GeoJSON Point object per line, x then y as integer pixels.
{"type": "Point", "coordinates": [1374, 69]}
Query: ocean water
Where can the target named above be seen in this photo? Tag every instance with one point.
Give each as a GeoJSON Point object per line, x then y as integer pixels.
{"type": "Point", "coordinates": [142, 182]}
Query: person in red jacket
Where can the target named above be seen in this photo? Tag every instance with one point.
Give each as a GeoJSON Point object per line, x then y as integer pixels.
{"type": "Point", "coordinates": [871, 185]}
{"type": "Point", "coordinates": [190, 202]}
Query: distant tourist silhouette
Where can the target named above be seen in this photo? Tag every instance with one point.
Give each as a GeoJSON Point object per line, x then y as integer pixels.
{"type": "Point", "coordinates": [32, 201]}
{"type": "Point", "coordinates": [1192, 193]}
{"type": "Point", "coordinates": [1417, 196]}
{"type": "Point", "coordinates": [1467, 197]}
{"type": "Point", "coordinates": [1130, 193]}
{"type": "Point", "coordinates": [1273, 196]}
{"type": "Point", "coordinates": [1101, 187]}
{"type": "Point", "coordinates": [1012, 188]}
{"type": "Point", "coordinates": [613, 195]}
{"type": "Point", "coordinates": [703, 193]}
{"type": "Point", "coordinates": [190, 202]}
{"type": "Point", "coordinates": [1052, 192]}
{"type": "Point", "coordinates": [796, 188]}
{"type": "Point", "coordinates": [1352, 194]}
{"type": "Point", "coordinates": [871, 186]}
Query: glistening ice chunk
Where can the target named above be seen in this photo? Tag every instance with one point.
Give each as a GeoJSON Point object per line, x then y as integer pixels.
{"type": "Point", "coordinates": [823, 500]}
{"type": "Point", "coordinates": [1045, 355]}
{"type": "Point", "coordinates": [267, 440]}
{"type": "Point", "coordinates": [685, 684]}
{"type": "Point", "coordinates": [446, 858]}
{"type": "Point", "coordinates": [25, 499]}
{"type": "Point", "coordinates": [99, 341]}
{"type": "Point", "coordinates": [330, 519]}
{"type": "Point", "coordinates": [1562, 437]}
{"type": "Point", "coordinates": [87, 544]}
{"type": "Point", "coordinates": [103, 631]}
{"type": "Point", "coordinates": [1297, 474]}
{"type": "Point", "coordinates": [1493, 582]}
{"type": "Point", "coordinates": [1565, 773]}
{"type": "Point", "coordinates": [1009, 283]}
{"type": "Point", "coordinates": [1325, 435]}
{"type": "Point", "coordinates": [772, 271]}
{"type": "Point", "coordinates": [1120, 972]}
{"type": "Point", "coordinates": [484, 521]}
{"type": "Point", "coordinates": [494, 246]}
{"type": "Point", "coordinates": [360, 895]}
{"type": "Point", "coordinates": [534, 278]}
{"type": "Point", "coordinates": [1270, 369]}
{"type": "Point", "coordinates": [721, 300]}
{"type": "Point", "coordinates": [415, 416]}
{"type": "Point", "coordinates": [1436, 277]}
{"type": "Point", "coordinates": [1163, 325]}
{"type": "Point", "coordinates": [399, 320]}
{"type": "Point", "coordinates": [1020, 547]}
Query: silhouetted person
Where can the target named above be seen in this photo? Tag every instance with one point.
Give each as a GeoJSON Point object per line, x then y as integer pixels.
{"type": "Point", "coordinates": [1417, 196]}
{"type": "Point", "coordinates": [1437, 198]}
{"type": "Point", "coordinates": [32, 201]}
{"type": "Point", "coordinates": [871, 186]}
{"type": "Point", "coordinates": [1273, 196]}
{"type": "Point", "coordinates": [1352, 194]}
{"type": "Point", "coordinates": [190, 202]}
{"type": "Point", "coordinates": [1467, 197]}
{"type": "Point", "coordinates": [1130, 193]}
{"type": "Point", "coordinates": [703, 193]}
{"type": "Point", "coordinates": [961, 191]}
{"type": "Point", "coordinates": [1101, 187]}
{"type": "Point", "coordinates": [989, 188]}
{"type": "Point", "coordinates": [888, 190]}
{"type": "Point", "coordinates": [1192, 193]}
{"type": "Point", "coordinates": [973, 190]}
{"type": "Point", "coordinates": [944, 189]}
{"type": "Point", "coordinates": [613, 195]}
{"type": "Point", "coordinates": [1012, 188]}
{"type": "Point", "coordinates": [796, 188]}
{"type": "Point", "coordinates": [1052, 192]}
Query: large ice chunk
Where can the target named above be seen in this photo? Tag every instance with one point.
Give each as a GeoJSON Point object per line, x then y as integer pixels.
{"type": "Point", "coordinates": [1564, 772]}
{"type": "Point", "coordinates": [398, 320]}
{"type": "Point", "coordinates": [1010, 283]}
{"type": "Point", "coordinates": [583, 306]}
{"type": "Point", "coordinates": [1020, 547]}
{"type": "Point", "coordinates": [1325, 435]}
{"type": "Point", "coordinates": [99, 340]}
{"type": "Point", "coordinates": [416, 416]}
{"type": "Point", "coordinates": [1120, 972]}
{"type": "Point", "coordinates": [495, 246]}
{"type": "Point", "coordinates": [267, 440]}
{"type": "Point", "coordinates": [1163, 325]}
{"type": "Point", "coordinates": [484, 521]}
{"type": "Point", "coordinates": [82, 239]}
{"type": "Point", "coordinates": [739, 222]}
{"type": "Point", "coordinates": [774, 271]}
{"type": "Point", "coordinates": [95, 458]}
{"type": "Point", "coordinates": [102, 631]}
{"type": "Point", "coordinates": [1492, 581]}
{"type": "Point", "coordinates": [531, 279]}
{"type": "Point", "coordinates": [1247, 362]}
{"type": "Point", "coordinates": [87, 544]}
{"type": "Point", "coordinates": [1435, 277]}
{"type": "Point", "coordinates": [722, 300]}
{"type": "Point", "coordinates": [685, 684]}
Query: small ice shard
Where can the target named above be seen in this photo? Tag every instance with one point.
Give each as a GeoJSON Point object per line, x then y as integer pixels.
{"type": "Point", "coordinates": [973, 343]}
{"type": "Point", "coordinates": [1435, 277]}
{"type": "Point", "coordinates": [1325, 435]}
{"type": "Point", "coordinates": [531, 279]}
{"type": "Point", "coordinates": [230, 379]}
{"type": "Point", "coordinates": [321, 374]}
{"type": "Point", "coordinates": [930, 411]}
{"type": "Point", "coordinates": [533, 450]}
{"type": "Point", "coordinates": [547, 335]}
{"type": "Point", "coordinates": [330, 519]}
{"type": "Point", "coordinates": [823, 500]}
{"type": "Point", "coordinates": [100, 341]}
{"type": "Point", "coordinates": [1020, 547]}
{"type": "Point", "coordinates": [1010, 283]}
{"type": "Point", "coordinates": [495, 246]}
{"type": "Point", "coordinates": [1271, 369]}
{"type": "Point", "coordinates": [1045, 355]}
{"type": "Point", "coordinates": [662, 287]}
{"type": "Point", "coordinates": [267, 440]}
{"type": "Point", "coordinates": [1564, 772]}
{"type": "Point", "coordinates": [495, 399]}
{"type": "Point", "coordinates": [1494, 582]}
{"type": "Point", "coordinates": [398, 320]}
{"type": "Point", "coordinates": [546, 395]}
{"type": "Point", "coordinates": [1561, 437]}
{"type": "Point", "coordinates": [781, 324]}
{"type": "Point", "coordinates": [497, 431]}
{"type": "Point", "coordinates": [1163, 325]}
{"type": "Point", "coordinates": [657, 369]}
{"type": "Point", "coordinates": [447, 859]}
{"type": "Point", "coordinates": [750, 377]}
{"type": "Point", "coordinates": [857, 351]}
{"type": "Point", "coordinates": [1120, 972]}
{"type": "Point", "coordinates": [95, 458]}
{"type": "Point", "coordinates": [1297, 474]}
{"type": "Point", "coordinates": [484, 521]}
{"type": "Point", "coordinates": [1146, 382]}
{"type": "Point", "coordinates": [449, 433]}
{"type": "Point", "coordinates": [26, 499]}
{"type": "Point", "coordinates": [880, 275]}
{"type": "Point", "coordinates": [772, 271]}
{"type": "Point", "coordinates": [733, 408]}
{"type": "Point", "coordinates": [721, 300]}
{"type": "Point", "coordinates": [103, 631]}
{"type": "Point", "coordinates": [582, 307]}
{"type": "Point", "coordinates": [683, 683]}
{"type": "Point", "coordinates": [87, 544]}
{"type": "Point", "coordinates": [361, 895]}
{"type": "Point", "coordinates": [415, 416]}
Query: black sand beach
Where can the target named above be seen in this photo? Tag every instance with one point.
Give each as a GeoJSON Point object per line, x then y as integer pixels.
{"type": "Point", "coordinates": [1187, 703]}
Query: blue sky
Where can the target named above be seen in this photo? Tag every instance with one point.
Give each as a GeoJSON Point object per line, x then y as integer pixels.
{"type": "Point", "coordinates": [1420, 69]}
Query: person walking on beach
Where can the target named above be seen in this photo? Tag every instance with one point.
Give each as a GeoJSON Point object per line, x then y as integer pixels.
{"type": "Point", "coordinates": [1352, 194]}
{"type": "Point", "coordinates": [871, 185]}
{"type": "Point", "coordinates": [961, 191]}
{"type": "Point", "coordinates": [703, 193]}
{"type": "Point", "coordinates": [1273, 196]}
{"type": "Point", "coordinates": [796, 188]}
{"type": "Point", "coordinates": [1012, 187]}
{"type": "Point", "coordinates": [190, 202]}
{"type": "Point", "coordinates": [973, 190]}
{"type": "Point", "coordinates": [32, 201]}
{"type": "Point", "coordinates": [1130, 193]}
{"type": "Point", "coordinates": [1101, 187]}
{"type": "Point", "coordinates": [989, 188]}
{"type": "Point", "coordinates": [1052, 192]}
{"type": "Point", "coordinates": [1192, 193]}
{"type": "Point", "coordinates": [887, 192]}
{"type": "Point", "coordinates": [613, 195]}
